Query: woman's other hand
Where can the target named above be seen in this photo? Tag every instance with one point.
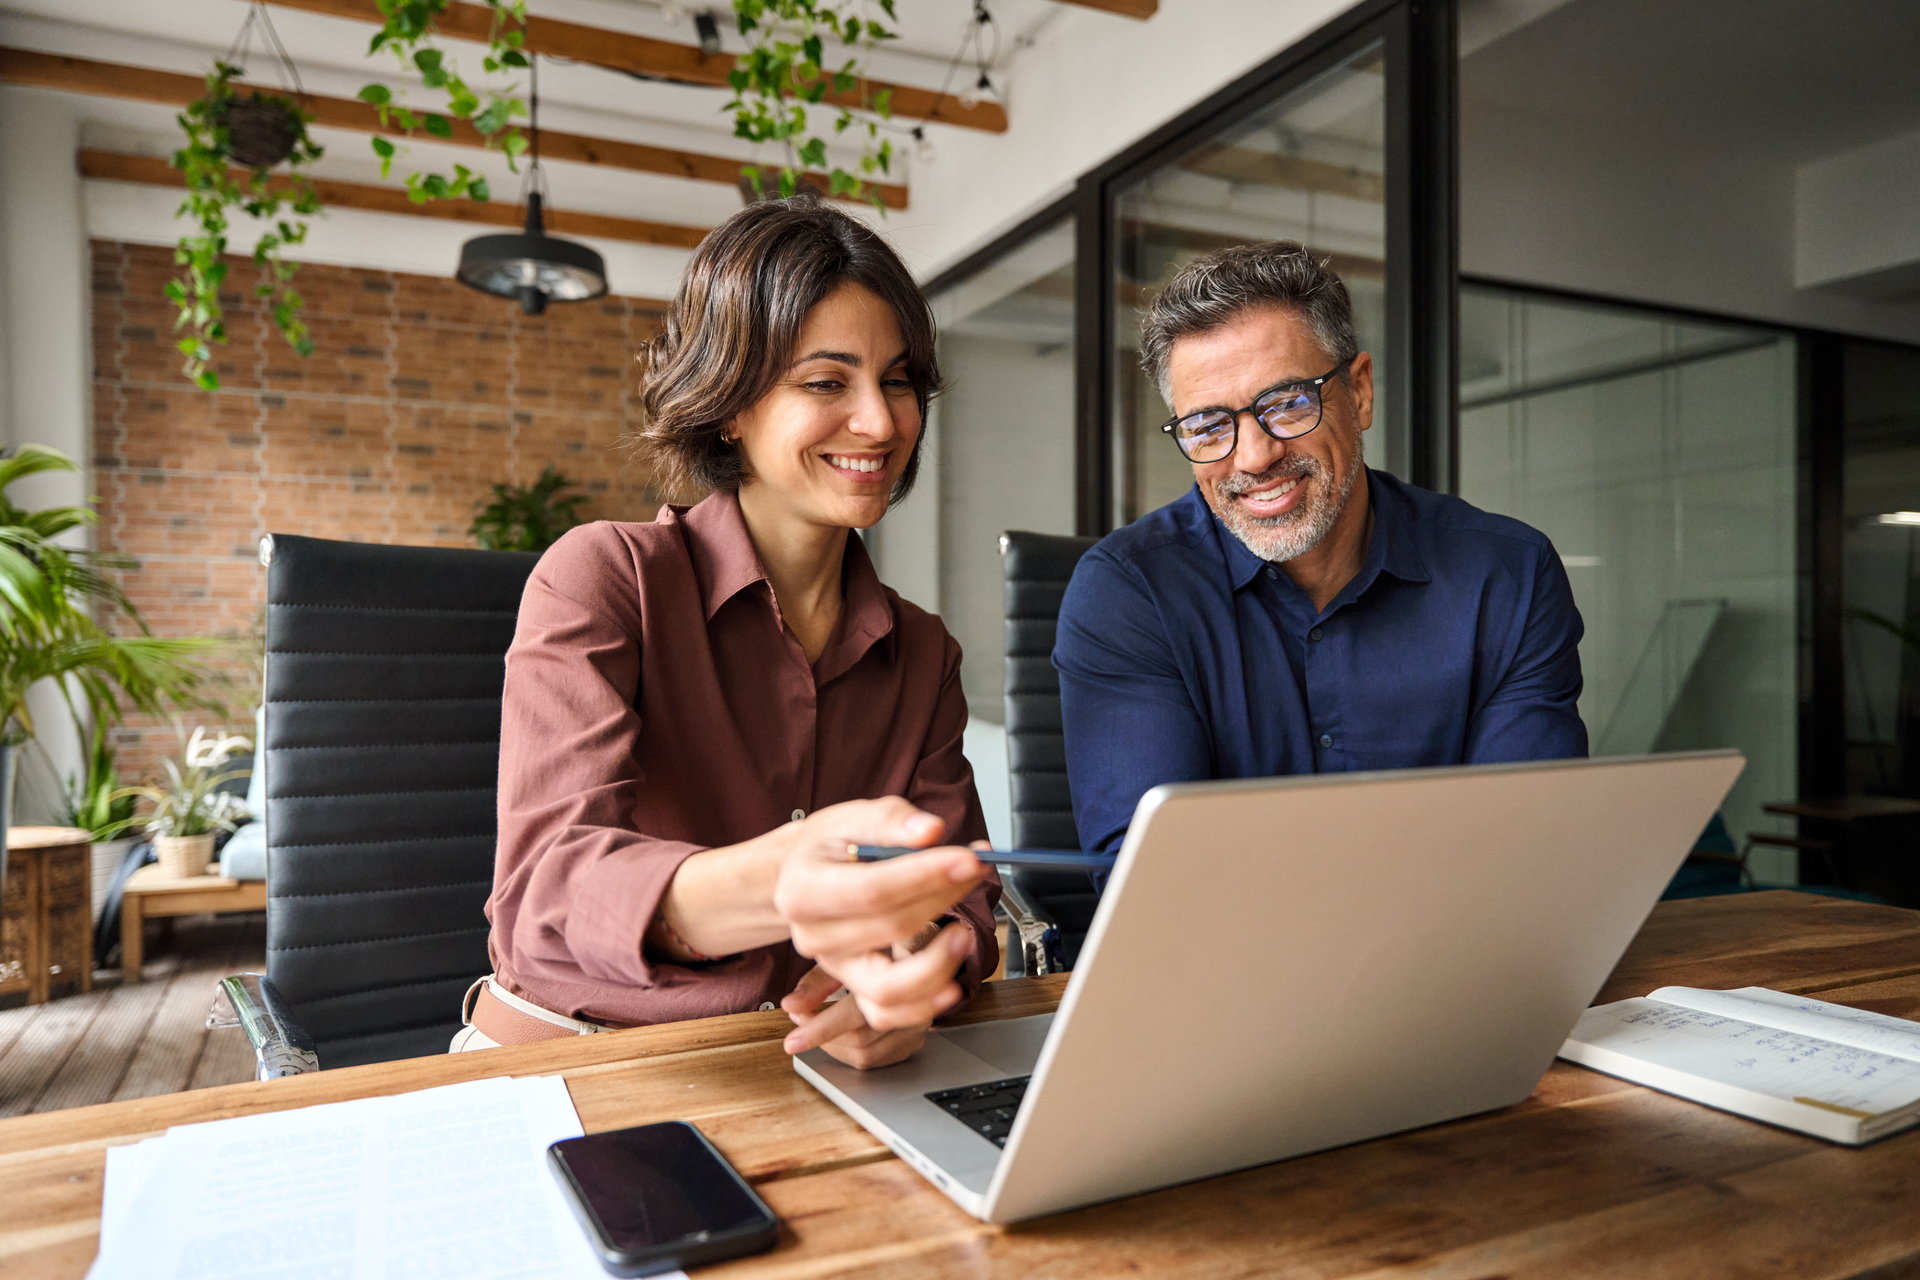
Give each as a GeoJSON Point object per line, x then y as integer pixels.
{"type": "Point", "coordinates": [841, 1029]}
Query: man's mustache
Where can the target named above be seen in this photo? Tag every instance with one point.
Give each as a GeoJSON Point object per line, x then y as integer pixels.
{"type": "Point", "coordinates": [1240, 481]}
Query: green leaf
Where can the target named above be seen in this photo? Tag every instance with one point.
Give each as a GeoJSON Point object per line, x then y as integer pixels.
{"type": "Point", "coordinates": [513, 58]}
{"type": "Point", "coordinates": [378, 94]}
{"type": "Point", "coordinates": [428, 60]}
{"type": "Point", "coordinates": [814, 152]}
{"type": "Point", "coordinates": [382, 148]}
{"type": "Point", "coordinates": [477, 190]}
{"type": "Point", "coordinates": [439, 127]}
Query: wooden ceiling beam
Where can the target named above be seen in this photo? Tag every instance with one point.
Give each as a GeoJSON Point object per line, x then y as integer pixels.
{"type": "Point", "coordinates": [144, 84]}
{"type": "Point", "coordinates": [1141, 9]}
{"type": "Point", "coordinates": [153, 171]}
{"type": "Point", "coordinates": [666, 60]}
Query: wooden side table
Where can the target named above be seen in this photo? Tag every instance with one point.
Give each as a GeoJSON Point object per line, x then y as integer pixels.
{"type": "Point", "coordinates": [150, 893]}
{"type": "Point", "coordinates": [46, 912]}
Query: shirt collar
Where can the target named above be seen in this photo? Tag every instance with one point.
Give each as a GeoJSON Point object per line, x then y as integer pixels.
{"type": "Point", "coordinates": [726, 563]}
{"type": "Point", "coordinates": [1390, 545]}
{"type": "Point", "coordinates": [722, 550]}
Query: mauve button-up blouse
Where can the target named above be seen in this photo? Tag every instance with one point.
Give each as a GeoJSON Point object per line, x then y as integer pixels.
{"type": "Point", "coordinates": [656, 705]}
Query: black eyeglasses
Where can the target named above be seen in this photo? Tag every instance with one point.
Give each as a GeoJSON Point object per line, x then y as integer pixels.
{"type": "Point", "coordinates": [1285, 412]}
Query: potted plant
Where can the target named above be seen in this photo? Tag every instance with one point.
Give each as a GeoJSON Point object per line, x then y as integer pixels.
{"type": "Point", "coordinates": [95, 804]}
{"type": "Point", "coordinates": [233, 141]}
{"type": "Point", "coordinates": [527, 517]}
{"type": "Point", "coordinates": [48, 629]}
{"type": "Point", "coordinates": [191, 808]}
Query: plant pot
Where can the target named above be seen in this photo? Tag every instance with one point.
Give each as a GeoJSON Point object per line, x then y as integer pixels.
{"type": "Point", "coordinates": [107, 857]}
{"type": "Point", "coordinates": [184, 856]}
{"type": "Point", "coordinates": [260, 131]}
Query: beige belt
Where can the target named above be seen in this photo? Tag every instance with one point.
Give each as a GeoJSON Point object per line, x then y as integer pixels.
{"type": "Point", "coordinates": [505, 1018]}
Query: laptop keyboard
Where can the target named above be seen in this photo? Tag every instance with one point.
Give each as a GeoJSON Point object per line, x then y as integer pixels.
{"type": "Point", "coordinates": [987, 1109]}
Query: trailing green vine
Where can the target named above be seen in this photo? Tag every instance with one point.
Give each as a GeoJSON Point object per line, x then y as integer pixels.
{"type": "Point", "coordinates": [215, 187]}
{"type": "Point", "coordinates": [409, 33]}
{"type": "Point", "coordinates": [784, 71]}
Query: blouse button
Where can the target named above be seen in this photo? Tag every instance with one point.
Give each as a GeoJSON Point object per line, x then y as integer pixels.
{"type": "Point", "coordinates": [767, 1006]}
{"type": "Point", "coordinates": [799, 814]}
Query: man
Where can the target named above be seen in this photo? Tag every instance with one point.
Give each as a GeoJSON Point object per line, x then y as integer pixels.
{"type": "Point", "coordinates": [1295, 612]}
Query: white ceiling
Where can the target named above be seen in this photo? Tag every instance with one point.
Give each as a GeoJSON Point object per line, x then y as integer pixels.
{"type": "Point", "coordinates": [1787, 81]}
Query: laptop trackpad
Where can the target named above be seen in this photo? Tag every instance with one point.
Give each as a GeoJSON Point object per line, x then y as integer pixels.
{"type": "Point", "coordinates": [1011, 1046]}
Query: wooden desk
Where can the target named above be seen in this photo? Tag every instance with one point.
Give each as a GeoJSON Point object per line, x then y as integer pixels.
{"type": "Point", "coordinates": [1591, 1176]}
{"type": "Point", "coordinates": [150, 893]}
{"type": "Point", "coordinates": [1845, 808]}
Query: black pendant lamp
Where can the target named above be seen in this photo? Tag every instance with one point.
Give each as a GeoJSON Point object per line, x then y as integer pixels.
{"type": "Point", "coordinates": [530, 266]}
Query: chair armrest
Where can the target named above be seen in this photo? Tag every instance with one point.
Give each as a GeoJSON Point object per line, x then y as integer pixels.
{"type": "Point", "coordinates": [1039, 934]}
{"type": "Point", "coordinates": [281, 1046]}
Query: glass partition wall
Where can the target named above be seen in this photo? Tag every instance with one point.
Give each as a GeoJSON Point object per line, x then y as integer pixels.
{"type": "Point", "coordinates": [1310, 167]}
{"type": "Point", "coordinates": [1005, 433]}
{"type": "Point", "coordinates": [1881, 519]}
{"type": "Point", "coordinates": [1659, 455]}
{"type": "Point", "coordinates": [1047, 424]}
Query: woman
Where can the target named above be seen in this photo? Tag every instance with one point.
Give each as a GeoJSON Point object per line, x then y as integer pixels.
{"type": "Point", "coordinates": [699, 710]}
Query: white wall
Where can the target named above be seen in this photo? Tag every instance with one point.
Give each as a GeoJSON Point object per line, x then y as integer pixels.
{"type": "Point", "coordinates": [1857, 219]}
{"type": "Point", "coordinates": [1556, 192]}
{"type": "Point", "coordinates": [1007, 463]}
{"type": "Point", "coordinates": [45, 362]}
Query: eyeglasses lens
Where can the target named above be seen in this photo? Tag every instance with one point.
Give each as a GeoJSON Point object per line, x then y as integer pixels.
{"type": "Point", "coordinates": [1205, 437]}
{"type": "Point", "coordinates": [1289, 411]}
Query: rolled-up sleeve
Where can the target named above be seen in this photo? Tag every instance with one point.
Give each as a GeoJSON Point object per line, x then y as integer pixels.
{"type": "Point", "coordinates": [579, 882]}
{"type": "Point", "coordinates": [943, 785]}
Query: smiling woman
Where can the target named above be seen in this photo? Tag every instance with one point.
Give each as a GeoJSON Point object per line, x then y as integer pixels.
{"type": "Point", "coordinates": [698, 711]}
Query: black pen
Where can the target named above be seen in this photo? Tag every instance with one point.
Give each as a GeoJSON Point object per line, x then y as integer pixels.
{"type": "Point", "coordinates": [1037, 859]}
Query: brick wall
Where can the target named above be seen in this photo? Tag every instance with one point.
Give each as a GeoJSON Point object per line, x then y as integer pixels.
{"type": "Point", "coordinates": [420, 395]}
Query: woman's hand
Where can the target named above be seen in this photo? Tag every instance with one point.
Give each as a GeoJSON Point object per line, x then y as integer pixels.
{"type": "Point", "coordinates": [856, 920]}
{"type": "Point", "coordinates": [841, 1029]}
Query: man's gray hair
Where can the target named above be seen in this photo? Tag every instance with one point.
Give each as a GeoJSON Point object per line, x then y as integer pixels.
{"type": "Point", "coordinates": [1209, 292]}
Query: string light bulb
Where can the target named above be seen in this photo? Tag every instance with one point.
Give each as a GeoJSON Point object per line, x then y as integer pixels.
{"type": "Point", "coordinates": [971, 96]}
{"type": "Point", "coordinates": [671, 13]}
{"type": "Point", "coordinates": [922, 146]}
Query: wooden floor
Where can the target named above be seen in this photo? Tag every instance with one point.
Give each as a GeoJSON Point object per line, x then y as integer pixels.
{"type": "Point", "coordinates": [134, 1042]}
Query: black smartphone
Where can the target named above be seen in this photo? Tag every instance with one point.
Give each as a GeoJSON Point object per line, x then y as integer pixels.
{"type": "Point", "coordinates": [659, 1197]}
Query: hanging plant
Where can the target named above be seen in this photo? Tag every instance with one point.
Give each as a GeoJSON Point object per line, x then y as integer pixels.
{"type": "Point", "coordinates": [784, 71]}
{"type": "Point", "coordinates": [255, 132]}
{"type": "Point", "coordinates": [408, 34]}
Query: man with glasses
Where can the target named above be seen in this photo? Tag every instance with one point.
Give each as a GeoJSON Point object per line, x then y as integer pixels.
{"type": "Point", "coordinates": [1296, 612]}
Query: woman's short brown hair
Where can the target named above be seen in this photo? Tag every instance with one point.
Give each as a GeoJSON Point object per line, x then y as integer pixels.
{"type": "Point", "coordinates": [731, 330]}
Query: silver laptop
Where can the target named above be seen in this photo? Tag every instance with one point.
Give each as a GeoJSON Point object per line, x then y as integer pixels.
{"type": "Point", "coordinates": [1284, 965]}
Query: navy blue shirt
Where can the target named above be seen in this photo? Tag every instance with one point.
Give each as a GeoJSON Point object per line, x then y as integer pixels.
{"type": "Point", "coordinates": [1184, 656]}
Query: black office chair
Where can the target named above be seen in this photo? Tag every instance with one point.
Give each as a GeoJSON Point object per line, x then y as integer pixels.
{"type": "Point", "coordinates": [384, 671]}
{"type": "Point", "coordinates": [1050, 909]}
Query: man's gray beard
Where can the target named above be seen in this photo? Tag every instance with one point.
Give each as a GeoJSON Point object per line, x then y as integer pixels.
{"type": "Point", "coordinates": [1295, 532]}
